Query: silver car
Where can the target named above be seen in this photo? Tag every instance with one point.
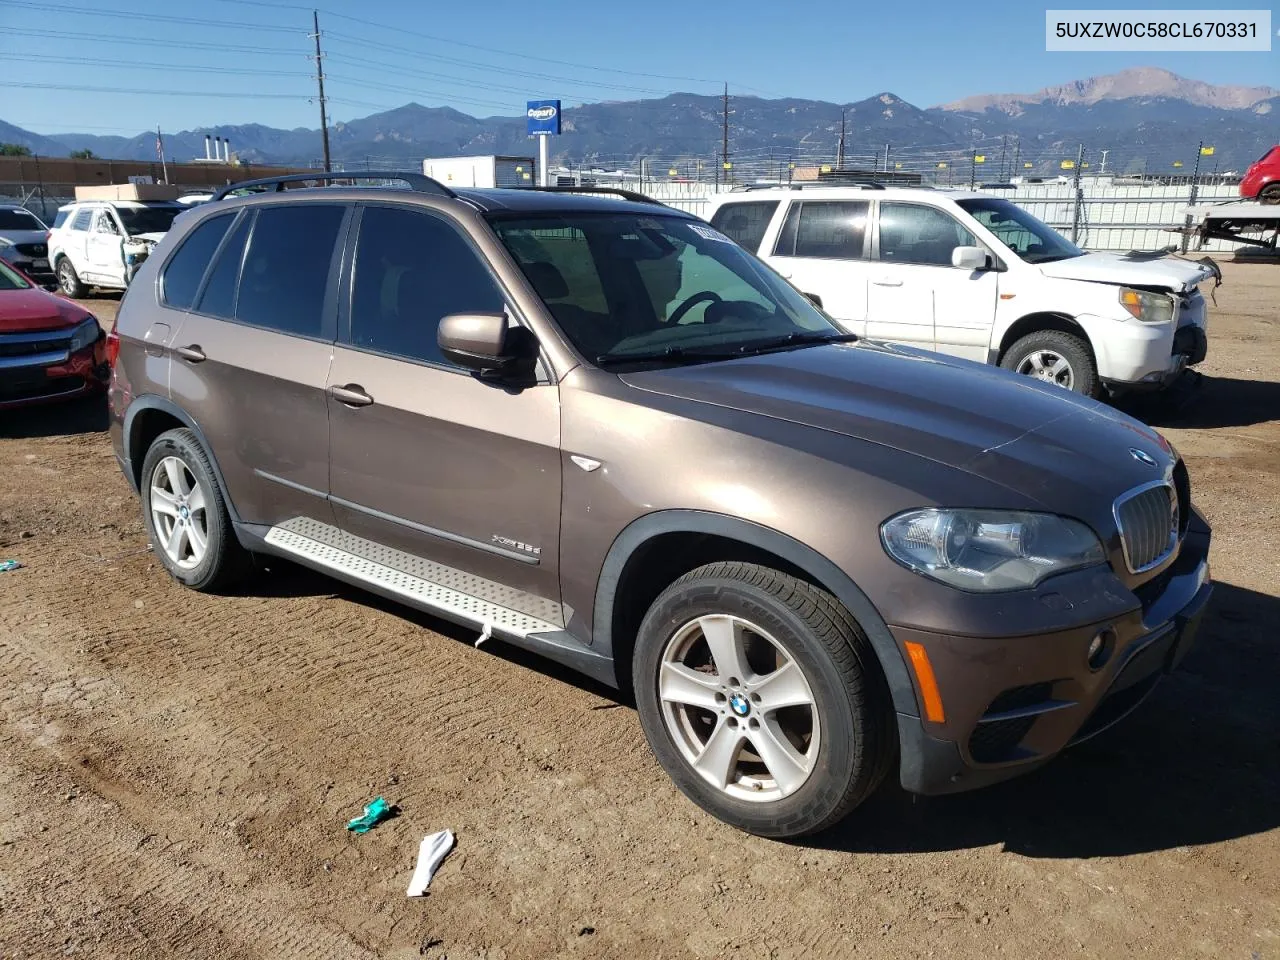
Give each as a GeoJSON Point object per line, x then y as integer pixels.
{"type": "Point", "coordinates": [24, 241]}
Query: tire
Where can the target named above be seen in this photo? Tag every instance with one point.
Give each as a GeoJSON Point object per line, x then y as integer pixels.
{"type": "Point", "coordinates": [1047, 350]}
{"type": "Point", "coordinates": [781, 628]}
{"type": "Point", "coordinates": [176, 461]}
{"type": "Point", "coordinates": [68, 280]}
{"type": "Point", "coordinates": [1269, 194]}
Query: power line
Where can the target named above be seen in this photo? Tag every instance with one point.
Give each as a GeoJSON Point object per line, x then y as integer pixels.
{"type": "Point", "coordinates": [145, 42]}
{"type": "Point", "coordinates": [82, 88]}
{"type": "Point", "coordinates": [482, 67]}
{"type": "Point", "coordinates": [415, 92]}
{"type": "Point", "coordinates": [150, 17]}
{"type": "Point", "coordinates": [89, 61]}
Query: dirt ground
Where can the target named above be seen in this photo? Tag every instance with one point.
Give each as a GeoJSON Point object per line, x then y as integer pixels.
{"type": "Point", "coordinates": [176, 770]}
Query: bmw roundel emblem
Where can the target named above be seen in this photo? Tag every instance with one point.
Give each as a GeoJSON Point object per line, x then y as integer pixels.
{"type": "Point", "coordinates": [1142, 456]}
{"type": "Point", "coordinates": [739, 705]}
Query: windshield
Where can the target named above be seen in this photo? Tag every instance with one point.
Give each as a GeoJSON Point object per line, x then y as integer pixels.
{"type": "Point", "coordinates": [1029, 237]}
{"type": "Point", "coordinates": [19, 220]}
{"type": "Point", "coordinates": [631, 288]}
{"type": "Point", "coordinates": [138, 220]}
{"type": "Point", "coordinates": [10, 279]}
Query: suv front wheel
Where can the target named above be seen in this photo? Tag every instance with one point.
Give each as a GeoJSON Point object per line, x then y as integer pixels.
{"type": "Point", "coordinates": [186, 515]}
{"type": "Point", "coordinates": [762, 700]}
{"type": "Point", "coordinates": [68, 280]}
{"type": "Point", "coordinates": [1053, 356]}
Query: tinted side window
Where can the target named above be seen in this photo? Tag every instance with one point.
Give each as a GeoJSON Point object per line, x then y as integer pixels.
{"type": "Point", "coordinates": [286, 268]}
{"type": "Point", "coordinates": [911, 233]}
{"type": "Point", "coordinates": [412, 269]}
{"type": "Point", "coordinates": [826, 229]}
{"type": "Point", "coordinates": [84, 216]}
{"type": "Point", "coordinates": [219, 297]}
{"type": "Point", "coordinates": [745, 223]}
{"type": "Point", "coordinates": [185, 268]}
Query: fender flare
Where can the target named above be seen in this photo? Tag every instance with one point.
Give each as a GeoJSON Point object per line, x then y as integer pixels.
{"type": "Point", "coordinates": [153, 402]}
{"type": "Point", "coordinates": [822, 570]}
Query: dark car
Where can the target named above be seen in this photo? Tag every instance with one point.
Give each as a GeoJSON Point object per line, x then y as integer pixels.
{"type": "Point", "coordinates": [1262, 180]}
{"type": "Point", "coordinates": [599, 429]}
{"type": "Point", "coordinates": [50, 348]}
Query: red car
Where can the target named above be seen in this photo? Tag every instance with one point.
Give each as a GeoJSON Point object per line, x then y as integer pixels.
{"type": "Point", "coordinates": [1262, 179]}
{"type": "Point", "coordinates": [50, 347]}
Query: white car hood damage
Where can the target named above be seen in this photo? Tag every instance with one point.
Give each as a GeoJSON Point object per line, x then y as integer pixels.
{"type": "Point", "coordinates": [1168, 273]}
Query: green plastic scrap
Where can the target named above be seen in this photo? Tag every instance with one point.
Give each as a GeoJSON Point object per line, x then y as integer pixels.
{"type": "Point", "coordinates": [7, 565]}
{"type": "Point", "coordinates": [374, 813]}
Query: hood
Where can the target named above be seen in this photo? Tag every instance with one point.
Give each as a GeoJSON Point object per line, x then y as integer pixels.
{"type": "Point", "coordinates": [27, 311]}
{"type": "Point", "coordinates": [24, 236]}
{"type": "Point", "coordinates": [1166, 273]}
{"type": "Point", "coordinates": [149, 237]}
{"type": "Point", "coordinates": [1034, 438]}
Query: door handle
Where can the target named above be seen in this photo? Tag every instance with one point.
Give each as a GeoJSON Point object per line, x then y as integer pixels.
{"type": "Point", "coordinates": [886, 282]}
{"type": "Point", "coordinates": [352, 395]}
{"type": "Point", "coordinates": [192, 353]}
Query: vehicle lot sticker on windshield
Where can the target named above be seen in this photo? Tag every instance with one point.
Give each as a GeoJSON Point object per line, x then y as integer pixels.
{"type": "Point", "coordinates": [709, 233]}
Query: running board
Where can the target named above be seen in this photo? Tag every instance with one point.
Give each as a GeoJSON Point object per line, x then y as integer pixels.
{"type": "Point", "coordinates": [411, 589]}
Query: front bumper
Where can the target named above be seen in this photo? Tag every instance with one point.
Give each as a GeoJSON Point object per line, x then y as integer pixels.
{"type": "Point", "coordinates": [1012, 704]}
{"type": "Point", "coordinates": [26, 381]}
{"type": "Point", "coordinates": [1134, 356]}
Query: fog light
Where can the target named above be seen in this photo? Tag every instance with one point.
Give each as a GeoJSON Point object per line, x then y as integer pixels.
{"type": "Point", "coordinates": [1100, 648]}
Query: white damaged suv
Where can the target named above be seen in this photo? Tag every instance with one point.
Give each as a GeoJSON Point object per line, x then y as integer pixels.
{"type": "Point", "coordinates": [101, 243]}
{"type": "Point", "coordinates": [974, 276]}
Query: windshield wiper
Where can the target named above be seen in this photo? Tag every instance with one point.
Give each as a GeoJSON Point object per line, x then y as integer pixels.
{"type": "Point", "coordinates": [795, 340]}
{"type": "Point", "coordinates": [669, 354]}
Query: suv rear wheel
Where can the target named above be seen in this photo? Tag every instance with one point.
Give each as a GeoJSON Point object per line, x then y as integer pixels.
{"type": "Point", "coordinates": [1054, 357]}
{"type": "Point", "coordinates": [68, 280]}
{"type": "Point", "coordinates": [186, 515]}
{"type": "Point", "coordinates": [762, 700]}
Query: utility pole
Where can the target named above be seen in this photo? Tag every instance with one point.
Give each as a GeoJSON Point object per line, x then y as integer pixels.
{"type": "Point", "coordinates": [973, 168]}
{"type": "Point", "coordinates": [324, 122]}
{"type": "Point", "coordinates": [1017, 153]}
{"type": "Point", "coordinates": [840, 145]}
{"type": "Point", "coordinates": [724, 135]}
{"type": "Point", "coordinates": [1003, 146]}
{"type": "Point", "coordinates": [1075, 216]}
{"type": "Point", "coordinates": [1102, 167]}
{"type": "Point", "coordinates": [886, 158]}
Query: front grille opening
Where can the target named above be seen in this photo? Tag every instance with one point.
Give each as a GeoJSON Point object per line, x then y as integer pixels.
{"type": "Point", "coordinates": [1113, 708]}
{"type": "Point", "coordinates": [998, 740]}
{"type": "Point", "coordinates": [1145, 518]}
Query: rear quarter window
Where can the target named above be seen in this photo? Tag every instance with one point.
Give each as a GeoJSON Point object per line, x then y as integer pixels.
{"type": "Point", "coordinates": [745, 223]}
{"type": "Point", "coordinates": [61, 218]}
{"type": "Point", "coordinates": [186, 268]}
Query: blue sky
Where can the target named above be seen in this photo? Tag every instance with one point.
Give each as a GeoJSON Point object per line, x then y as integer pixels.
{"type": "Point", "coordinates": [247, 60]}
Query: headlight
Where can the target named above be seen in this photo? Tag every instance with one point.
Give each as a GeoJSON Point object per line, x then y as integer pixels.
{"type": "Point", "coordinates": [989, 551]}
{"type": "Point", "coordinates": [1147, 306]}
{"type": "Point", "coordinates": [85, 335]}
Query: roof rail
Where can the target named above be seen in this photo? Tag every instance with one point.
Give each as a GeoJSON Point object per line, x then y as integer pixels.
{"type": "Point", "coordinates": [616, 191]}
{"type": "Point", "coordinates": [811, 185]}
{"type": "Point", "coordinates": [416, 181]}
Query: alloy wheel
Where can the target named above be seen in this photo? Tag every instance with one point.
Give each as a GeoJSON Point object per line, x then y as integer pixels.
{"type": "Point", "coordinates": [1050, 366]}
{"type": "Point", "coordinates": [739, 709]}
{"type": "Point", "coordinates": [178, 515]}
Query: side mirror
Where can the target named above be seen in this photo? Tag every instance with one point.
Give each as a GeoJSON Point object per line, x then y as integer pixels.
{"type": "Point", "coordinates": [814, 299]}
{"type": "Point", "coordinates": [483, 342]}
{"type": "Point", "coordinates": [970, 258]}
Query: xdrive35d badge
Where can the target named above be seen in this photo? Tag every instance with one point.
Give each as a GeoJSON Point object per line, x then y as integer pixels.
{"type": "Point", "coordinates": [816, 561]}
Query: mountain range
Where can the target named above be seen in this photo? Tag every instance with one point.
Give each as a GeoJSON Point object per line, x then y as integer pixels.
{"type": "Point", "coordinates": [1145, 118]}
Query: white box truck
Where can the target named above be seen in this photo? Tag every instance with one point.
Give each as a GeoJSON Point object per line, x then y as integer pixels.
{"type": "Point", "coordinates": [482, 171]}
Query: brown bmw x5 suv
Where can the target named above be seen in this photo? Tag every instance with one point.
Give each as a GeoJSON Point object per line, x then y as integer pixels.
{"type": "Point", "coordinates": [596, 428]}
